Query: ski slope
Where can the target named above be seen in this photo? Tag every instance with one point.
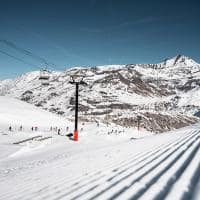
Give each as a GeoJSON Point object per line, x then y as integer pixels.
{"type": "Point", "coordinates": [155, 167]}
{"type": "Point", "coordinates": [124, 164]}
{"type": "Point", "coordinates": [14, 112]}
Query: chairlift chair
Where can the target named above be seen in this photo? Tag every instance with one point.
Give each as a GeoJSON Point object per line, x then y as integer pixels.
{"type": "Point", "coordinates": [44, 77]}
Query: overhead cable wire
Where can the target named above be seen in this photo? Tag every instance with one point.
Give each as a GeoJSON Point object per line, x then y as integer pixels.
{"type": "Point", "coordinates": [26, 52]}
{"type": "Point", "coordinates": [16, 58]}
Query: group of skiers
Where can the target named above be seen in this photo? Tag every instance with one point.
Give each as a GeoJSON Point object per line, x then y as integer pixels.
{"type": "Point", "coordinates": [35, 128]}
{"type": "Point", "coordinates": [58, 130]}
{"type": "Point", "coordinates": [21, 128]}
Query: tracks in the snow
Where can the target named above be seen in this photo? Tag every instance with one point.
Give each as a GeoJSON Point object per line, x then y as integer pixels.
{"type": "Point", "coordinates": [154, 174]}
{"type": "Point", "coordinates": [136, 177]}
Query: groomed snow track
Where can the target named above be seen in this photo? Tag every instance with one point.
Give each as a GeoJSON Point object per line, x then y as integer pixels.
{"type": "Point", "coordinates": [169, 171]}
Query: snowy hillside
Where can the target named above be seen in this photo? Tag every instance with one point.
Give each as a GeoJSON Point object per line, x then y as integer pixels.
{"type": "Point", "coordinates": [17, 113]}
{"type": "Point", "coordinates": [112, 159]}
{"type": "Point", "coordinates": [164, 95]}
{"type": "Point", "coordinates": [162, 166]}
{"type": "Point", "coordinates": [21, 118]}
{"type": "Point", "coordinates": [108, 162]}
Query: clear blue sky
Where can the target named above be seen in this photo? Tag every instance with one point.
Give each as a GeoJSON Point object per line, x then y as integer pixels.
{"type": "Point", "coordinates": [95, 32]}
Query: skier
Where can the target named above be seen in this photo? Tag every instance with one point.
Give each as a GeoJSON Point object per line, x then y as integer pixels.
{"type": "Point", "coordinates": [20, 128]}
{"type": "Point", "coordinates": [32, 128]}
{"type": "Point", "coordinates": [58, 131]}
{"type": "Point", "coordinates": [10, 128]}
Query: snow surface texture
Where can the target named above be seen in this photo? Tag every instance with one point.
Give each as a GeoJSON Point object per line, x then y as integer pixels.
{"type": "Point", "coordinates": [108, 161]}
{"type": "Point", "coordinates": [165, 95]}
{"type": "Point", "coordinates": [162, 166]}
{"type": "Point", "coordinates": [14, 112]}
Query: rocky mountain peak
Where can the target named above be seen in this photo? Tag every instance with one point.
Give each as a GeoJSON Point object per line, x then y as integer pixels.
{"type": "Point", "coordinates": [179, 60]}
{"type": "Point", "coordinates": [164, 97]}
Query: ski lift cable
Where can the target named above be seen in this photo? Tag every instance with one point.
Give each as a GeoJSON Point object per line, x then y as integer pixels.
{"type": "Point", "coordinates": [19, 59]}
{"type": "Point", "coordinates": [44, 72]}
{"type": "Point", "coordinates": [32, 55]}
{"type": "Point", "coordinates": [27, 52]}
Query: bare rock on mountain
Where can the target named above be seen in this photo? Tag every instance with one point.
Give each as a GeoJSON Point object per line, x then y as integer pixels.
{"type": "Point", "coordinates": [166, 95]}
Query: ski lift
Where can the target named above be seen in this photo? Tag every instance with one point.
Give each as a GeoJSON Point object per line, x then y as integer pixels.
{"type": "Point", "coordinates": [44, 76]}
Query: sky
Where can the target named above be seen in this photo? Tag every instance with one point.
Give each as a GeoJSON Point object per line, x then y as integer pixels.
{"type": "Point", "coordinates": [65, 33]}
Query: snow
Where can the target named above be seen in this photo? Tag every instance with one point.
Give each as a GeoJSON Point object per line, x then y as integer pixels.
{"type": "Point", "coordinates": [191, 98]}
{"type": "Point", "coordinates": [108, 161]}
{"type": "Point", "coordinates": [110, 67]}
{"type": "Point", "coordinates": [179, 60]}
{"type": "Point", "coordinates": [155, 89]}
{"type": "Point", "coordinates": [15, 113]}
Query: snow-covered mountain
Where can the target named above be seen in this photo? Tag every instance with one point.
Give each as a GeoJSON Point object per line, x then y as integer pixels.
{"type": "Point", "coordinates": [164, 95]}
{"type": "Point", "coordinates": [16, 113]}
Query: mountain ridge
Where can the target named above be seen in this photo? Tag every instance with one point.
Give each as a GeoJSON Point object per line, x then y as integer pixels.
{"type": "Point", "coordinates": [159, 94]}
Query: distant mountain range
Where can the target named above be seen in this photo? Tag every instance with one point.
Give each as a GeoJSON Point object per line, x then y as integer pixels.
{"type": "Point", "coordinates": [165, 95]}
